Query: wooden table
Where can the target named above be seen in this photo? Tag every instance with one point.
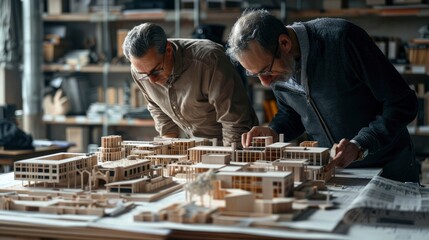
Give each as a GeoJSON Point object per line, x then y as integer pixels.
{"type": "Point", "coordinates": [8, 157]}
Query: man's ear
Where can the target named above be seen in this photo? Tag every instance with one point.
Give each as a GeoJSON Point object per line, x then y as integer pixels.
{"type": "Point", "coordinates": [169, 48]}
{"type": "Point", "coordinates": [285, 43]}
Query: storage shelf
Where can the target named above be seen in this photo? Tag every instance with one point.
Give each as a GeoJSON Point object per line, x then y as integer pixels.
{"type": "Point", "coordinates": [161, 15]}
{"type": "Point", "coordinates": [150, 15]}
{"type": "Point", "coordinates": [99, 17]}
{"type": "Point", "coordinates": [354, 12]}
{"type": "Point", "coordinates": [91, 68]}
{"type": "Point", "coordinates": [420, 10]}
{"type": "Point", "coordinates": [84, 121]}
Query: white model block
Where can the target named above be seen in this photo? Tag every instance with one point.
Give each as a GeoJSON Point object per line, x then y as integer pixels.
{"type": "Point", "coordinates": [212, 158]}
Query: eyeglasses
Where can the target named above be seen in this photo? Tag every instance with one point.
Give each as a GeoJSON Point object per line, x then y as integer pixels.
{"type": "Point", "coordinates": [153, 73]}
{"type": "Point", "coordinates": [265, 73]}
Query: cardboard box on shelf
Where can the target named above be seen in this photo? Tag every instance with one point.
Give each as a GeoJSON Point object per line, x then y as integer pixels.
{"type": "Point", "coordinates": [120, 36]}
{"type": "Point", "coordinates": [55, 43]}
{"type": "Point", "coordinates": [79, 136]}
{"type": "Point", "coordinates": [56, 7]}
{"type": "Point", "coordinates": [51, 51]}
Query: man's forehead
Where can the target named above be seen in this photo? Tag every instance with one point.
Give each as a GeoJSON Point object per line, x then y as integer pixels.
{"type": "Point", "coordinates": [254, 50]}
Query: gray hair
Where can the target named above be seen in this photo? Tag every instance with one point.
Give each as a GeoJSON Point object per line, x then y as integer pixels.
{"type": "Point", "coordinates": [257, 25]}
{"type": "Point", "coordinates": [142, 38]}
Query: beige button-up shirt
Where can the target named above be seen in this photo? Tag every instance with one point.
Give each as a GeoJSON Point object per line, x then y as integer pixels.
{"type": "Point", "coordinates": [204, 96]}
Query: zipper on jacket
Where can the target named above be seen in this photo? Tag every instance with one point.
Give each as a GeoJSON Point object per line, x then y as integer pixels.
{"type": "Point", "coordinates": [324, 126]}
{"type": "Point", "coordinates": [313, 106]}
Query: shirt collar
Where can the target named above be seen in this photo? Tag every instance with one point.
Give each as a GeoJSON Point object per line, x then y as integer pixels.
{"type": "Point", "coordinates": [304, 45]}
{"type": "Point", "coordinates": [177, 60]}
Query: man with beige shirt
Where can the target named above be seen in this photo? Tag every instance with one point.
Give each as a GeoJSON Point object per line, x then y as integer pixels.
{"type": "Point", "coordinates": [188, 84]}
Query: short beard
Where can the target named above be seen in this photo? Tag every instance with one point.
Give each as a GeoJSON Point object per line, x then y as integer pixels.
{"type": "Point", "coordinates": [290, 64]}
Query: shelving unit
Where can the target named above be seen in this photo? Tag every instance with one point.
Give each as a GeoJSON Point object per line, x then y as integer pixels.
{"type": "Point", "coordinates": [156, 15]}
{"type": "Point", "coordinates": [91, 68]}
{"type": "Point", "coordinates": [115, 73]}
{"type": "Point", "coordinates": [169, 17]}
{"type": "Point", "coordinates": [84, 121]}
{"type": "Point", "coordinates": [420, 10]}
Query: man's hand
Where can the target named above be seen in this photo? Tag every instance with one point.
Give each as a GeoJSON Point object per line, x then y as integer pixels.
{"type": "Point", "coordinates": [246, 138]}
{"type": "Point", "coordinates": [346, 153]}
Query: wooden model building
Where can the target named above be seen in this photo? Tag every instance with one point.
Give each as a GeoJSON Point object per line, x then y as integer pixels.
{"type": "Point", "coordinates": [265, 185]}
{"type": "Point", "coordinates": [162, 146]}
{"type": "Point", "coordinates": [198, 140]}
{"type": "Point", "coordinates": [275, 151]}
{"type": "Point", "coordinates": [316, 156]}
{"type": "Point", "coordinates": [139, 185]}
{"type": "Point", "coordinates": [251, 182]}
{"type": "Point", "coordinates": [60, 168]}
{"type": "Point", "coordinates": [155, 147]}
{"type": "Point", "coordinates": [309, 144]}
{"type": "Point", "coordinates": [262, 141]}
{"type": "Point", "coordinates": [241, 205]}
{"type": "Point", "coordinates": [141, 154]}
{"type": "Point", "coordinates": [298, 167]}
{"type": "Point", "coordinates": [130, 145]}
{"type": "Point", "coordinates": [130, 174]}
{"type": "Point", "coordinates": [179, 169]}
{"type": "Point", "coordinates": [180, 147]}
{"type": "Point", "coordinates": [196, 153]}
{"type": "Point", "coordinates": [111, 148]}
{"type": "Point", "coordinates": [76, 203]}
{"type": "Point", "coordinates": [304, 162]}
{"type": "Point", "coordinates": [120, 170]}
{"type": "Point", "coordinates": [308, 189]}
{"type": "Point", "coordinates": [250, 155]}
{"type": "Point", "coordinates": [178, 213]}
{"type": "Point", "coordinates": [210, 161]}
{"type": "Point", "coordinates": [164, 160]}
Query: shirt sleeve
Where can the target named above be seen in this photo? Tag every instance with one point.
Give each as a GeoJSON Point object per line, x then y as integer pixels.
{"type": "Point", "coordinates": [163, 123]}
{"type": "Point", "coordinates": [230, 99]}
{"type": "Point", "coordinates": [368, 63]}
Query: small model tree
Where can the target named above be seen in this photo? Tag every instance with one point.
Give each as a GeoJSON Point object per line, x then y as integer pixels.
{"type": "Point", "coordinates": [201, 185]}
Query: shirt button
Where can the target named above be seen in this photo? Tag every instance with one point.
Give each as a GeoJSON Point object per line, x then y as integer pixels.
{"type": "Point", "coordinates": [174, 107]}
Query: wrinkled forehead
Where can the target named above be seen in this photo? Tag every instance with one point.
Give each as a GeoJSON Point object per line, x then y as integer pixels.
{"type": "Point", "coordinates": [254, 58]}
{"type": "Point", "coordinates": [255, 51]}
{"type": "Point", "coordinates": [147, 62]}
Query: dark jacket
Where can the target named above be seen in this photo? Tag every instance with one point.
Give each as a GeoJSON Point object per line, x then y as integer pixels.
{"type": "Point", "coordinates": [352, 92]}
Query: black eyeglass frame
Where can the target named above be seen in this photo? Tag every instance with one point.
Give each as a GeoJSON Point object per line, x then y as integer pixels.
{"type": "Point", "coordinates": [153, 73]}
{"type": "Point", "coordinates": [265, 73]}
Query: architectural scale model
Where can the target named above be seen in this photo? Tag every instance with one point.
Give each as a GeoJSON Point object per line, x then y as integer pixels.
{"type": "Point", "coordinates": [257, 182]}
{"type": "Point", "coordinates": [110, 149]}
{"type": "Point", "coordinates": [76, 203]}
{"type": "Point", "coordinates": [247, 188]}
{"type": "Point", "coordinates": [57, 169]}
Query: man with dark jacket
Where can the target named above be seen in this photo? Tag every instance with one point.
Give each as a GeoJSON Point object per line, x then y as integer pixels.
{"type": "Point", "coordinates": [332, 82]}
